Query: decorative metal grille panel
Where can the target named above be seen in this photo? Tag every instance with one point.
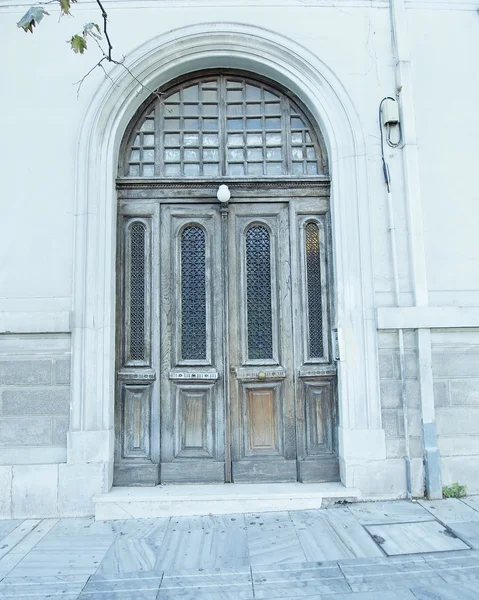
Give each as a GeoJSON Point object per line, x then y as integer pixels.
{"type": "Point", "coordinates": [313, 274]}
{"type": "Point", "coordinates": [258, 293]}
{"type": "Point", "coordinates": [193, 293]}
{"type": "Point", "coordinates": [137, 283]}
{"type": "Point", "coordinates": [224, 126]}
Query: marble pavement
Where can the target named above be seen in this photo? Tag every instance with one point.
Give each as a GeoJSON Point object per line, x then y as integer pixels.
{"type": "Point", "coordinates": [365, 551]}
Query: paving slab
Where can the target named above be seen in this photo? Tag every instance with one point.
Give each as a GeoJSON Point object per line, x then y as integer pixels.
{"type": "Point", "coordinates": [60, 556]}
{"type": "Point", "coordinates": [8, 562]}
{"type": "Point", "coordinates": [390, 595]}
{"type": "Point", "coordinates": [86, 526]}
{"type": "Point", "coordinates": [472, 501]}
{"type": "Point", "coordinates": [129, 555]}
{"type": "Point", "coordinates": [272, 539]}
{"type": "Point", "coordinates": [444, 592]}
{"type": "Point", "coordinates": [228, 584]}
{"type": "Point", "coordinates": [42, 587]}
{"type": "Point", "coordinates": [461, 567]}
{"type": "Point", "coordinates": [8, 526]}
{"type": "Point", "coordinates": [194, 548]}
{"type": "Point", "coordinates": [206, 523]}
{"type": "Point", "coordinates": [412, 538]}
{"type": "Point", "coordinates": [152, 529]}
{"type": "Point", "coordinates": [378, 513]}
{"type": "Point", "coordinates": [298, 580]}
{"type": "Point", "coordinates": [441, 560]}
{"type": "Point", "coordinates": [450, 510]}
{"type": "Point", "coordinates": [146, 585]}
{"type": "Point", "coordinates": [388, 573]}
{"type": "Point", "coordinates": [383, 560]}
{"type": "Point", "coordinates": [469, 532]}
{"type": "Point", "coordinates": [17, 535]}
{"type": "Point", "coordinates": [332, 535]}
{"type": "Point", "coordinates": [225, 594]}
{"type": "Point", "coordinates": [139, 594]}
{"type": "Point", "coordinates": [142, 586]}
{"type": "Point", "coordinates": [34, 536]}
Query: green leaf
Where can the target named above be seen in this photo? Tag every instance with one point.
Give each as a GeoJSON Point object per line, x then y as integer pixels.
{"type": "Point", "coordinates": [78, 44]}
{"type": "Point", "coordinates": [92, 29]}
{"type": "Point", "coordinates": [65, 6]}
{"type": "Point", "coordinates": [32, 17]}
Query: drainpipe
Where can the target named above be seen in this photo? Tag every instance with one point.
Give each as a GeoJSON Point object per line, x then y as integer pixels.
{"type": "Point", "coordinates": [397, 296]}
{"type": "Point", "coordinates": [412, 196]}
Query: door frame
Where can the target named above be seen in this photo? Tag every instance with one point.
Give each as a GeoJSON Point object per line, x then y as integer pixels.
{"type": "Point", "coordinates": [136, 200]}
{"type": "Point", "coordinates": [230, 45]}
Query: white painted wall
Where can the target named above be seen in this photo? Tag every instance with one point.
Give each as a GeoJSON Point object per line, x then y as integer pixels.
{"type": "Point", "coordinates": [445, 47]}
{"type": "Point", "coordinates": [354, 43]}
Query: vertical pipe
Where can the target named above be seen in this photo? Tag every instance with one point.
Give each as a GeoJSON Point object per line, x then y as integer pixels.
{"type": "Point", "coordinates": [413, 204]}
{"type": "Point", "coordinates": [402, 361]}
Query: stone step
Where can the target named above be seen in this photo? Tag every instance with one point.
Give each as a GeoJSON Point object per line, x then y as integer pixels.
{"type": "Point", "coordinates": [202, 500]}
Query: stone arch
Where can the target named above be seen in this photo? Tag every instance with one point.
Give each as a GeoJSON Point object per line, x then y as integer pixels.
{"type": "Point", "coordinates": [253, 49]}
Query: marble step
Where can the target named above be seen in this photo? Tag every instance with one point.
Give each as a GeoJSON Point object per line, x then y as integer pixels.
{"type": "Point", "coordinates": [202, 500]}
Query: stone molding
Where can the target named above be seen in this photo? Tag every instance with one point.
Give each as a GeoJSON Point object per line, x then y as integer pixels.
{"type": "Point", "coordinates": [35, 322]}
{"type": "Point", "coordinates": [227, 45]}
{"type": "Point", "coordinates": [427, 317]}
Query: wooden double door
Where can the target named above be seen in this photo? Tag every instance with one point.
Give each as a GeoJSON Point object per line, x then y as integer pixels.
{"type": "Point", "coordinates": [225, 369]}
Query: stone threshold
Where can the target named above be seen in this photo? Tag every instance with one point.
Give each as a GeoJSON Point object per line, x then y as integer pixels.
{"type": "Point", "coordinates": [202, 500]}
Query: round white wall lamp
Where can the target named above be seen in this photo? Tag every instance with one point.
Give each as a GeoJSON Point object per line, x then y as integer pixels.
{"type": "Point", "coordinates": [223, 194]}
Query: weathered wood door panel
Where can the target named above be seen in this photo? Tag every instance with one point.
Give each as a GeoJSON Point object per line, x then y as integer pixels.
{"type": "Point", "coordinates": [137, 407]}
{"type": "Point", "coordinates": [192, 365]}
{"type": "Point", "coordinates": [316, 417]}
{"type": "Point", "coordinates": [261, 353]}
{"type": "Point", "coordinates": [225, 366]}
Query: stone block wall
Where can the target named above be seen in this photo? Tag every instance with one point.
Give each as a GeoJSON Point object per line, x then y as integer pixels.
{"type": "Point", "coordinates": [455, 366]}
{"type": "Point", "coordinates": [34, 398]}
{"type": "Point", "coordinates": [35, 479]}
{"type": "Point", "coordinates": [390, 386]}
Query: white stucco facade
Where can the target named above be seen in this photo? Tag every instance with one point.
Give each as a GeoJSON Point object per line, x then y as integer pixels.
{"type": "Point", "coordinates": [58, 227]}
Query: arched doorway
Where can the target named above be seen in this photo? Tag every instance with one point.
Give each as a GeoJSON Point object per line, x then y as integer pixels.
{"type": "Point", "coordinates": [224, 363]}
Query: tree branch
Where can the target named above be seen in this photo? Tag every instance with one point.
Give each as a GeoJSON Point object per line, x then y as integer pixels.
{"type": "Point", "coordinates": [105, 31]}
{"type": "Point", "coordinates": [122, 64]}
{"type": "Point", "coordinates": [80, 82]}
{"type": "Point", "coordinates": [79, 41]}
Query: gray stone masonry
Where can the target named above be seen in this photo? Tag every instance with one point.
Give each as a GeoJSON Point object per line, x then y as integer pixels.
{"type": "Point", "coordinates": [390, 388]}
{"type": "Point", "coordinates": [34, 402]}
{"type": "Point", "coordinates": [455, 364]}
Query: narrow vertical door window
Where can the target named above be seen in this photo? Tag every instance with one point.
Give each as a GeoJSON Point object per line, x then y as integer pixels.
{"type": "Point", "coordinates": [313, 274]}
{"type": "Point", "coordinates": [193, 293]}
{"type": "Point", "coordinates": [258, 293]}
{"type": "Point", "coordinates": [137, 291]}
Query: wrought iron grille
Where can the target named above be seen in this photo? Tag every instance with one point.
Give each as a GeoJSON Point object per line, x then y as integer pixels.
{"type": "Point", "coordinates": [258, 293]}
{"type": "Point", "coordinates": [223, 125]}
{"type": "Point", "coordinates": [137, 291]}
{"type": "Point", "coordinates": [313, 274]}
{"type": "Point", "coordinates": [193, 293]}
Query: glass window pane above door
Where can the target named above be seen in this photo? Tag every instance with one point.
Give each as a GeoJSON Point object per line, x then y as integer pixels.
{"type": "Point", "coordinates": [224, 112]}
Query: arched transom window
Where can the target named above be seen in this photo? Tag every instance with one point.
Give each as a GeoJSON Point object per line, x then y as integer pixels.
{"type": "Point", "coordinates": [222, 126]}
